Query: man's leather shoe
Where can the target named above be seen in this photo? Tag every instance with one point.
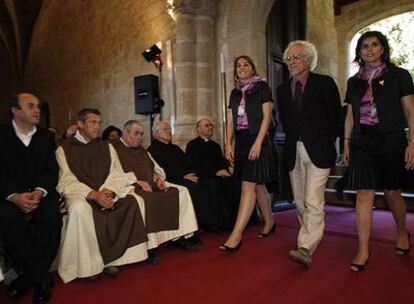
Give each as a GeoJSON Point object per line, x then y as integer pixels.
{"type": "Point", "coordinates": [43, 290]}
{"type": "Point", "coordinates": [183, 244]}
{"type": "Point", "coordinates": [153, 258]}
{"type": "Point", "coordinates": [195, 240]}
{"type": "Point", "coordinates": [18, 288]}
{"type": "Point", "coordinates": [112, 271]}
{"type": "Point", "coordinates": [301, 256]}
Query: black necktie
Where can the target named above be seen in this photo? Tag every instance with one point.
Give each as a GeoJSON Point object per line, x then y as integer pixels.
{"type": "Point", "coordinates": [298, 95]}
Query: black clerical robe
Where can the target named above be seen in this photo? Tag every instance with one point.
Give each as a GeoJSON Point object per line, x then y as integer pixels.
{"type": "Point", "coordinates": [209, 204]}
{"type": "Point", "coordinates": [206, 157]}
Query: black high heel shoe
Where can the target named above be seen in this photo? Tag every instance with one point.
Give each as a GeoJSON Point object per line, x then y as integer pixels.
{"type": "Point", "coordinates": [404, 251]}
{"type": "Point", "coordinates": [265, 235]}
{"type": "Point", "coordinates": [359, 267]}
{"type": "Point", "coordinates": [228, 249]}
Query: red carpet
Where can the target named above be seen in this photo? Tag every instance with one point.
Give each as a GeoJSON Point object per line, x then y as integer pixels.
{"type": "Point", "coordinates": [261, 272]}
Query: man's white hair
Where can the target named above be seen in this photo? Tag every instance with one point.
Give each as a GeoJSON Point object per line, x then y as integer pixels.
{"type": "Point", "coordinates": [156, 126]}
{"type": "Point", "coordinates": [310, 52]}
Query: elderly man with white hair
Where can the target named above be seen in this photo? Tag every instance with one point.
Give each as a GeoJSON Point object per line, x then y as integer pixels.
{"type": "Point", "coordinates": [310, 111]}
{"type": "Point", "coordinates": [180, 170]}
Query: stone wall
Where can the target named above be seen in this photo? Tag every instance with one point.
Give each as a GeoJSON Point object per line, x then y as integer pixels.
{"type": "Point", "coordinates": [321, 32]}
{"type": "Point", "coordinates": [86, 54]}
{"type": "Point", "coordinates": [355, 17]}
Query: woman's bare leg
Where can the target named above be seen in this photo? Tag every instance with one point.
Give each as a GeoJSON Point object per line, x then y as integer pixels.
{"type": "Point", "coordinates": [264, 201]}
{"type": "Point", "coordinates": [399, 212]}
{"type": "Point", "coordinates": [247, 203]}
{"type": "Point", "coordinates": [364, 204]}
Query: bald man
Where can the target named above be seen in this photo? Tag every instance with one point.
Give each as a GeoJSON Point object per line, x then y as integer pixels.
{"type": "Point", "coordinates": [208, 162]}
{"type": "Point", "coordinates": [30, 220]}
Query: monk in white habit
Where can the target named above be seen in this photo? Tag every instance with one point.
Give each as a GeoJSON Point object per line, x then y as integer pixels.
{"type": "Point", "coordinates": [105, 226]}
{"type": "Point", "coordinates": [169, 211]}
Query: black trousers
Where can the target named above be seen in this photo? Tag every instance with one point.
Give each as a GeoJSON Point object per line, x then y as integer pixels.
{"type": "Point", "coordinates": [215, 201]}
{"type": "Point", "coordinates": [32, 240]}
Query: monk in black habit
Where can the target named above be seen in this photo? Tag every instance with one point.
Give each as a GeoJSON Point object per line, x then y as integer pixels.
{"type": "Point", "coordinates": [208, 202]}
{"type": "Point", "coordinates": [208, 162]}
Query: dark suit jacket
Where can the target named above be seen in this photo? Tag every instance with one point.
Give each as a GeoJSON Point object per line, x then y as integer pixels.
{"type": "Point", "coordinates": [388, 90]}
{"type": "Point", "coordinates": [317, 125]}
{"type": "Point", "coordinates": [206, 157]}
{"type": "Point", "coordinates": [25, 168]}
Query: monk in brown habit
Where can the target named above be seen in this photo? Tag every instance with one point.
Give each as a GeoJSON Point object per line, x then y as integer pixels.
{"type": "Point", "coordinates": [105, 226]}
{"type": "Point", "coordinates": [169, 212]}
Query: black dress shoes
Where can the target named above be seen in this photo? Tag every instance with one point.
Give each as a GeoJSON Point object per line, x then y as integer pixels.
{"type": "Point", "coordinates": [18, 288]}
{"type": "Point", "coordinates": [195, 240]}
{"type": "Point", "coordinates": [43, 290]}
{"type": "Point", "coordinates": [404, 251]}
{"type": "Point", "coordinates": [228, 249]}
{"type": "Point", "coordinates": [264, 235]}
{"type": "Point", "coordinates": [359, 267]}
{"type": "Point", "coordinates": [153, 258]}
{"type": "Point", "coordinates": [183, 244]}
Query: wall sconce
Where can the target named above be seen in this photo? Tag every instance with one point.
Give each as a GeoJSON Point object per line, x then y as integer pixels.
{"type": "Point", "coordinates": [153, 54]}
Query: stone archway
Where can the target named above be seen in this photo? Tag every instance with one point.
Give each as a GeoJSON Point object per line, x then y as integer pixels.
{"type": "Point", "coordinates": [354, 18]}
{"type": "Point", "coordinates": [241, 29]}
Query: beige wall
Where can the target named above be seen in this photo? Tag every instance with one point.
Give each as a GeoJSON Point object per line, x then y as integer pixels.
{"type": "Point", "coordinates": [321, 32]}
{"type": "Point", "coordinates": [86, 54]}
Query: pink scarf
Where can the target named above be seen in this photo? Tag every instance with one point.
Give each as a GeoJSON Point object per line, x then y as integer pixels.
{"type": "Point", "coordinates": [242, 122]}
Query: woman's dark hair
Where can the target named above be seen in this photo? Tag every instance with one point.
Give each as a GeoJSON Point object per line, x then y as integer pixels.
{"type": "Point", "coordinates": [249, 60]}
{"type": "Point", "coordinates": [385, 57]}
{"type": "Point", "coordinates": [109, 130]}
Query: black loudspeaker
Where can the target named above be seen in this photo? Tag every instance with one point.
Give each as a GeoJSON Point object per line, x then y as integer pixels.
{"type": "Point", "coordinates": [147, 97]}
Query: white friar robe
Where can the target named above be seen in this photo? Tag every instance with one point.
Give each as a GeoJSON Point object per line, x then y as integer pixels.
{"type": "Point", "coordinates": [79, 254]}
{"type": "Point", "coordinates": [187, 219]}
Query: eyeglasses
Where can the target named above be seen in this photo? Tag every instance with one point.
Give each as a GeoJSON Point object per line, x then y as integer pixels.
{"type": "Point", "coordinates": [295, 58]}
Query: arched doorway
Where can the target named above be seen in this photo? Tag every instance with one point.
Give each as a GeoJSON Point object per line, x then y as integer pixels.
{"type": "Point", "coordinates": [286, 22]}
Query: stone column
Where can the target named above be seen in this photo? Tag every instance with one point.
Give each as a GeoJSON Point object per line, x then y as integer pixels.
{"type": "Point", "coordinates": [206, 104]}
{"type": "Point", "coordinates": [186, 73]}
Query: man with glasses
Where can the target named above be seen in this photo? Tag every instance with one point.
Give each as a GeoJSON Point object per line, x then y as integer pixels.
{"type": "Point", "coordinates": [310, 109]}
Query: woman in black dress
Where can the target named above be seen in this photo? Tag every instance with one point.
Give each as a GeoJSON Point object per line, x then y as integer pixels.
{"type": "Point", "coordinates": [249, 118]}
{"type": "Point", "coordinates": [381, 106]}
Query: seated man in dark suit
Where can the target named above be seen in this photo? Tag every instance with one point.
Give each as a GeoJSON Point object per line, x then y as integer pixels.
{"type": "Point", "coordinates": [208, 162]}
{"type": "Point", "coordinates": [30, 221]}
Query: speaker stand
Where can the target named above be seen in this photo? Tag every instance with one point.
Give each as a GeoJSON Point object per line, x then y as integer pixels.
{"type": "Point", "coordinates": [151, 122]}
